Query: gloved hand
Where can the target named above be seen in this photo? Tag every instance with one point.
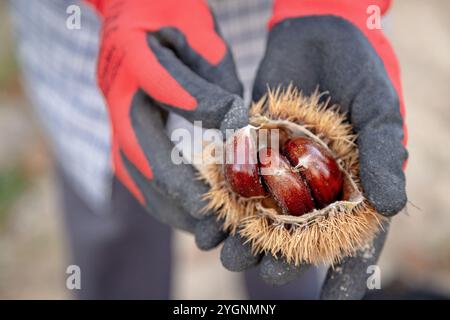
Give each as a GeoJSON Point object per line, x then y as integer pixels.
{"type": "Point", "coordinates": [327, 43]}
{"type": "Point", "coordinates": [158, 57]}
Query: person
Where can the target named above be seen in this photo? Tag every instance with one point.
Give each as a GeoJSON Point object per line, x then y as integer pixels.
{"type": "Point", "coordinates": [136, 70]}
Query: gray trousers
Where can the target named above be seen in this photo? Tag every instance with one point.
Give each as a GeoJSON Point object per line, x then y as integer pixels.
{"type": "Point", "coordinates": [124, 253]}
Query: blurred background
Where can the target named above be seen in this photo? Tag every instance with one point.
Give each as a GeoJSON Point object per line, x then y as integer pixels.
{"type": "Point", "coordinates": [416, 258]}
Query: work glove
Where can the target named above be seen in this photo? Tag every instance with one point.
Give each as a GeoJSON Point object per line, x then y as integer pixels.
{"type": "Point", "coordinates": [158, 57]}
{"type": "Point", "coordinates": [328, 44]}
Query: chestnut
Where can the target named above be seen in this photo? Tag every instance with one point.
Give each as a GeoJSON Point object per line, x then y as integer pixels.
{"type": "Point", "coordinates": [318, 168]}
{"type": "Point", "coordinates": [285, 185]}
{"type": "Point", "coordinates": [241, 169]}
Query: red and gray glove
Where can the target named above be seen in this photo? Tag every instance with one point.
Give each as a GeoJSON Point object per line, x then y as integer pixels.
{"type": "Point", "coordinates": [158, 57]}
{"type": "Point", "coordinates": [327, 43]}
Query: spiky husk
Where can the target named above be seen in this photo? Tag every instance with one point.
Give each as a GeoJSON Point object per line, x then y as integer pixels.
{"type": "Point", "coordinates": [322, 236]}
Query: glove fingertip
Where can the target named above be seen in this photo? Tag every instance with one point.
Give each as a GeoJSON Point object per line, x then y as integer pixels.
{"type": "Point", "coordinates": [236, 255]}
{"type": "Point", "coordinates": [348, 279]}
{"type": "Point", "coordinates": [236, 117]}
{"type": "Point", "coordinates": [387, 197]}
{"type": "Point", "coordinates": [381, 168]}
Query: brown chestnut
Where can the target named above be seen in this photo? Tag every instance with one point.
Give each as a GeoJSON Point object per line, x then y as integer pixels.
{"type": "Point", "coordinates": [317, 166]}
{"type": "Point", "coordinates": [241, 166]}
{"type": "Point", "coordinates": [285, 185]}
